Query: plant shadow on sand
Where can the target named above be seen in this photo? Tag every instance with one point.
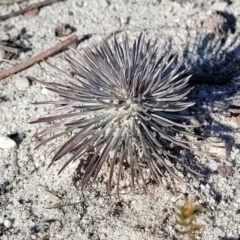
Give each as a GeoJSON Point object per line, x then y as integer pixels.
{"type": "Point", "coordinates": [214, 54]}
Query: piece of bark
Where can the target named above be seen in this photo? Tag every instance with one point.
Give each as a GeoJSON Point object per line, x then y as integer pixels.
{"type": "Point", "coordinates": [8, 48]}
{"type": "Point", "coordinates": [28, 8]}
{"type": "Point", "coordinates": [234, 107]}
{"type": "Point", "coordinates": [225, 171]}
{"type": "Point", "coordinates": [28, 63]}
{"type": "Point", "coordinates": [237, 119]}
{"type": "Point", "coordinates": [32, 13]}
{"type": "Point", "coordinates": [234, 110]}
{"type": "Point", "coordinates": [8, 2]}
{"type": "Point", "coordinates": [216, 23]}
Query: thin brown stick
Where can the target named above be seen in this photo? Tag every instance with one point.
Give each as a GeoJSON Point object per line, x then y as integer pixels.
{"type": "Point", "coordinates": [51, 51]}
{"type": "Point", "coordinates": [8, 2]}
{"type": "Point", "coordinates": [8, 49]}
{"type": "Point", "coordinates": [28, 8]}
{"type": "Point", "coordinates": [234, 110]}
{"type": "Point", "coordinates": [210, 79]}
{"type": "Point", "coordinates": [115, 33]}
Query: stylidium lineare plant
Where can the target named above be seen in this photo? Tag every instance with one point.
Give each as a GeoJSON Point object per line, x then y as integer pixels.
{"type": "Point", "coordinates": [122, 104]}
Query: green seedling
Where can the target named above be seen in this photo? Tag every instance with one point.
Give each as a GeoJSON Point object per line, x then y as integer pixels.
{"type": "Point", "coordinates": [187, 216]}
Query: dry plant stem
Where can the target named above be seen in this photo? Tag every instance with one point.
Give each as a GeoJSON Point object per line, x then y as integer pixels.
{"type": "Point", "coordinates": [28, 8]}
{"type": "Point", "coordinates": [112, 34]}
{"type": "Point", "coordinates": [8, 49]}
{"type": "Point", "coordinates": [51, 51]}
{"type": "Point", "coordinates": [8, 2]}
{"type": "Point", "coordinates": [234, 110]}
{"type": "Point", "coordinates": [210, 79]}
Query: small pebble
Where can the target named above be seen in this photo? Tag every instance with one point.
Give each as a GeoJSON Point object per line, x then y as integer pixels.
{"type": "Point", "coordinates": [7, 223]}
{"type": "Point", "coordinates": [221, 214]}
{"type": "Point", "coordinates": [2, 54]}
{"type": "Point", "coordinates": [225, 221]}
{"type": "Point", "coordinates": [219, 6]}
{"type": "Point", "coordinates": [22, 83]}
{"type": "Point", "coordinates": [236, 150]}
{"type": "Point", "coordinates": [1, 220]}
{"type": "Point", "coordinates": [202, 94]}
{"type": "Point", "coordinates": [219, 232]}
{"type": "Point", "coordinates": [104, 3]}
{"type": "Point", "coordinates": [237, 192]}
{"type": "Point", "coordinates": [213, 166]}
{"type": "Point", "coordinates": [6, 142]}
{"type": "Point", "coordinates": [195, 122]}
{"type": "Point", "coordinates": [218, 147]}
{"type": "Point", "coordinates": [45, 91]}
{"type": "Point", "coordinates": [216, 23]}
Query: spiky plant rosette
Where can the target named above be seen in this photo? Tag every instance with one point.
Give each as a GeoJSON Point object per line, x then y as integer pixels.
{"type": "Point", "coordinates": [122, 105]}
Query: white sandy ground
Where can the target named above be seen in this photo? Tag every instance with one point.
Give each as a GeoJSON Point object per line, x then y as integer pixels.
{"type": "Point", "coordinates": [28, 192]}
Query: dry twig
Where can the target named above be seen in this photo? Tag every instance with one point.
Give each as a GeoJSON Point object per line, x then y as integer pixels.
{"type": "Point", "coordinates": [114, 33]}
{"type": "Point", "coordinates": [234, 108]}
{"type": "Point", "coordinates": [28, 8]}
{"type": "Point", "coordinates": [51, 51]}
{"type": "Point", "coordinates": [8, 2]}
{"type": "Point", "coordinates": [8, 48]}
